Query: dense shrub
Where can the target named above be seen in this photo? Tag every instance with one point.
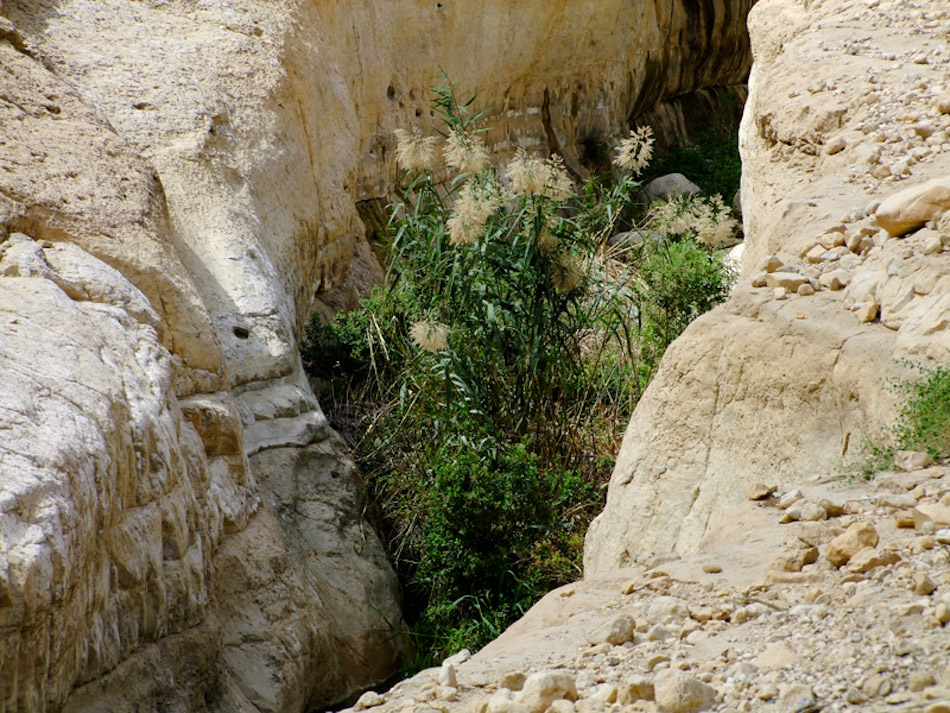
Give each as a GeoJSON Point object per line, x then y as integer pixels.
{"type": "Point", "coordinates": [922, 424]}
{"type": "Point", "coordinates": [495, 371]}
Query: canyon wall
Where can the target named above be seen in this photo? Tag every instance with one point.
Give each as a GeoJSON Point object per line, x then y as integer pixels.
{"type": "Point", "coordinates": [787, 380]}
{"type": "Point", "coordinates": [180, 529]}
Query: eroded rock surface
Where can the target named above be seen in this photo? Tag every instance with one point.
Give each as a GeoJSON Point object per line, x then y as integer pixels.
{"type": "Point", "coordinates": [790, 375]}
{"type": "Point", "coordinates": [758, 619]}
{"type": "Point", "coordinates": [179, 527]}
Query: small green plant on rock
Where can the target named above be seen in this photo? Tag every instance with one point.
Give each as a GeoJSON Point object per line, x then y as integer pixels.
{"type": "Point", "coordinates": [922, 424]}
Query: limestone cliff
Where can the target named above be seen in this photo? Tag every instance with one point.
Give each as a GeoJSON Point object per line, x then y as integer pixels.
{"type": "Point", "coordinates": [787, 378]}
{"type": "Point", "coordinates": [179, 528]}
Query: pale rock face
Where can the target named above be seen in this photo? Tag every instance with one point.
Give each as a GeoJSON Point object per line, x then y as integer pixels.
{"type": "Point", "coordinates": [785, 385]}
{"type": "Point", "coordinates": [180, 528]}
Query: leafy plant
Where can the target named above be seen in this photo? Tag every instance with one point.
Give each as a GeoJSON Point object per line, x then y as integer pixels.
{"type": "Point", "coordinates": [495, 371]}
{"type": "Point", "coordinates": [922, 424]}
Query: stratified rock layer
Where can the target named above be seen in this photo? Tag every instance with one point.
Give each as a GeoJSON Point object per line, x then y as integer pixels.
{"type": "Point", "coordinates": [790, 375]}
{"type": "Point", "coordinates": [179, 527]}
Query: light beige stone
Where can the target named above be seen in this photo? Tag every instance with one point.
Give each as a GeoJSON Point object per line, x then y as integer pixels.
{"type": "Point", "coordinates": [678, 692]}
{"type": "Point", "coordinates": [848, 544]}
{"type": "Point", "coordinates": [911, 208]}
{"type": "Point", "coordinates": [870, 558]}
{"type": "Point", "coordinates": [544, 687]}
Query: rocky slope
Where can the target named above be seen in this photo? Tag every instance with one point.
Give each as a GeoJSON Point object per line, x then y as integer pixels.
{"type": "Point", "coordinates": [179, 528]}
{"type": "Point", "coordinates": [844, 611]}
{"type": "Point", "coordinates": [704, 588]}
{"type": "Point", "coordinates": [847, 106]}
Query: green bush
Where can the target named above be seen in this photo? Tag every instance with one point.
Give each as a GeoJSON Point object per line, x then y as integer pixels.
{"type": "Point", "coordinates": [682, 280]}
{"type": "Point", "coordinates": [711, 161]}
{"type": "Point", "coordinates": [922, 424]}
{"type": "Point", "coordinates": [495, 372]}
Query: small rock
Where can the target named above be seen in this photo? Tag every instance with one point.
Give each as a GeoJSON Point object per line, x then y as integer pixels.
{"type": "Point", "coordinates": [790, 498]}
{"type": "Point", "coordinates": [458, 658]}
{"type": "Point", "coordinates": [870, 558]}
{"type": "Point", "coordinates": [446, 693]}
{"type": "Point", "coordinates": [777, 656]}
{"type": "Point", "coordinates": [793, 559]}
{"type": "Point", "coordinates": [941, 536]}
{"type": "Point", "coordinates": [447, 675]}
{"type": "Point", "coordinates": [541, 689]}
{"type": "Point", "coordinates": [919, 680]}
{"type": "Point", "coordinates": [867, 312]}
{"type": "Point", "coordinates": [923, 585]}
{"type": "Point", "coordinates": [853, 540]}
{"type": "Point", "coordinates": [759, 491]}
{"type": "Point", "coordinates": [656, 660]}
{"type": "Point", "coordinates": [665, 609]}
{"type": "Point", "coordinates": [678, 692]}
{"type": "Point", "coordinates": [658, 633]}
{"type": "Point", "coordinates": [793, 514]}
{"type": "Point", "coordinates": [790, 281]}
{"type": "Point", "coordinates": [912, 460]}
{"type": "Point", "coordinates": [759, 280]}
{"type": "Point", "coordinates": [854, 696]}
{"type": "Point", "coordinates": [942, 613]}
{"type": "Point", "coordinates": [638, 688]}
{"type": "Point", "coordinates": [876, 685]}
{"type": "Point", "coordinates": [669, 186]}
{"type": "Point", "coordinates": [513, 681]}
{"type": "Point", "coordinates": [562, 706]}
{"type": "Point", "coordinates": [773, 264]}
{"type": "Point", "coordinates": [606, 692]}
{"type": "Point", "coordinates": [779, 293]}
{"type": "Point", "coordinates": [370, 699]}
{"type": "Point", "coordinates": [835, 280]}
{"type": "Point", "coordinates": [799, 698]}
{"type": "Point", "coordinates": [616, 631]}
{"type": "Point", "coordinates": [943, 103]}
{"type": "Point", "coordinates": [836, 145]}
{"type": "Point", "coordinates": [939, 515]}
{"type": "Point", "coordinates": [806, 290]}
{"type": "Point", "coordinates": [901, 501]}
{"type": "Point", "coordinates": [768, 692]}
{"type": "Point", "coordinates": [712, 568]}
{"type": "Point", "coordinates": [913, 207]}
{"type": "Point", "coordinates": [501, 704]}
{"type": "Point", "coordinates": [813, 512]}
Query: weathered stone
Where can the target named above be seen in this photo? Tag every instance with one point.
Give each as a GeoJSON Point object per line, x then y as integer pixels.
{"type": "Point", "coordinates": [637, 688]}
{"type": "Point", "coordinates": [759, 491]}
{"type": "Point", "coordinates": [776, 656]}
{"type": "Point", "coordinates": [853, 540]}
{"type": "Point", "coordinates": [672, 185]}
{"type": "Point", "coordinates": [616, 631]}
{"type": "Point", "coordinates": [869, 558]}
{"type": "Point", "coordinates": [791, 281]}
{"type": "Point", "coordinates": [911, 208]}
{"type": "Point", "coordinates": [678, 692]}
{"type": "Point", "coordinates": [938, 514]}
{"type": "Point", "coordinates": [912, 460]}
{"type": "Point", "coordinates": [543, 688]}
{"type": "Point", "coordinates": [666, 609]}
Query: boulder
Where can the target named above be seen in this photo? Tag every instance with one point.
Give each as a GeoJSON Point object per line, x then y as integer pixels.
{"type": "Point", "coordinates": [672, 185]}
{"type": "Point", "coordinates": [911, 208]}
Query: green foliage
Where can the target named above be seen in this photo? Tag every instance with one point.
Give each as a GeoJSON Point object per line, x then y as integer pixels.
{"type": "Point", "coordinates": [923, 423]}
{"type": "Point", "coordinates": [495, 372]}
{"type": "Point", "coordinates": [682, 280]}
{"type": "Point", "coordinates": [711, 162]}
